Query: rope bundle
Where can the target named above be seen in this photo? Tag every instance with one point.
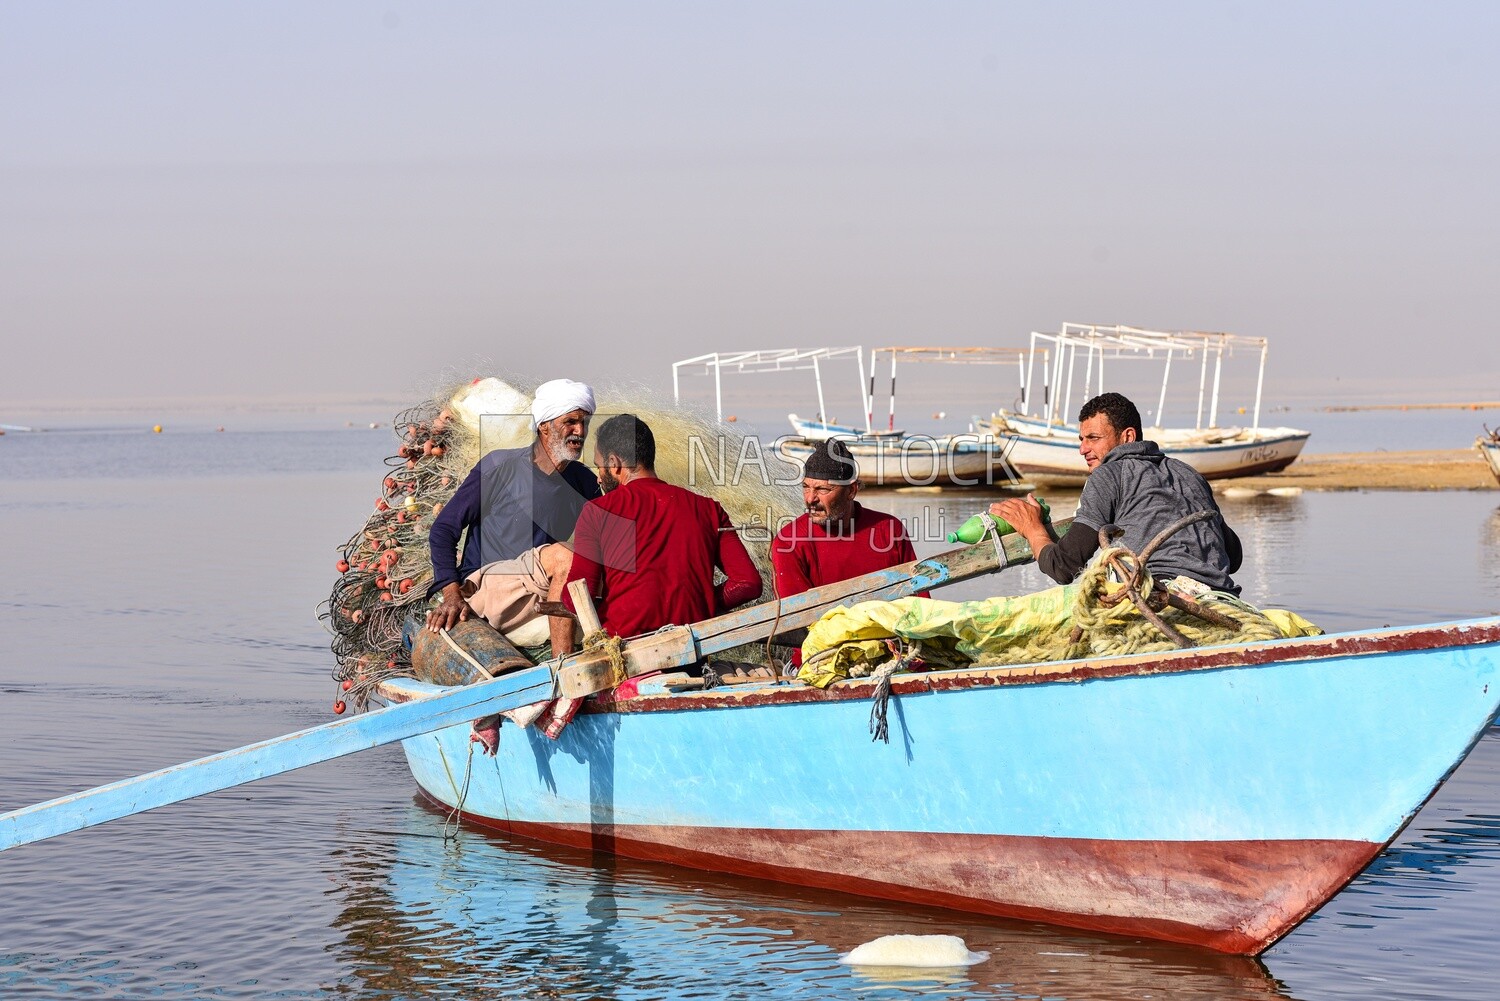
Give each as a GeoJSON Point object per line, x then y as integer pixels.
{"type": "Point", "coordinates": [1104, 625]}
{"type": "Point", "coordinates": [1129, 614]}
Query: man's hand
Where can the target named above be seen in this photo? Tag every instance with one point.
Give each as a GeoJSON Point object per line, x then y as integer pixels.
{"type": "Point", "coordinates": [453, 610]}
{"type": "Point", "coordinates": [1025, 516]}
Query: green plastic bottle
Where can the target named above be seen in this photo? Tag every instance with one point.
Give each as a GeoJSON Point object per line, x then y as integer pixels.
{"type": "Point", "coordinates": [973, 530]}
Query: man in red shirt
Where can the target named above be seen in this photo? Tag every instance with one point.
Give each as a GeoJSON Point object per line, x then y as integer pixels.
{"type": "Point", "coordinates": [838, 537]}
{"type": "Point", "coordinates": [647, 548]}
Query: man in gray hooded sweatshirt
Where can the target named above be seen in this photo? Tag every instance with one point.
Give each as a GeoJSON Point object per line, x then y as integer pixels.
{"type": "Point", "coordinates": [1133, 485]}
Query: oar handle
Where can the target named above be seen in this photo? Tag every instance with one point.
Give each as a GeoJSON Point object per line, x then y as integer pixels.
{"type": "Point", "coordinates": [274, 756]}
{"type": "Point", "coordinates": [583, 602]}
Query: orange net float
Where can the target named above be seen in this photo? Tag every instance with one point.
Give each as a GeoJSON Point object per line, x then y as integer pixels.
{"type": "Point", "coordinates": [385, 583]}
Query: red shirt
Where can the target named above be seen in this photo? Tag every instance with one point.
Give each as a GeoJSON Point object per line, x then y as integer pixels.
{"type": "Point", "coordinates": [648, 550]}
{"type": "Point", "coordinates": [805, 556]}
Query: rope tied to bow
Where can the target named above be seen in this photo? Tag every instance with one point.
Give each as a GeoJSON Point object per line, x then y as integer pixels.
{"type": "Point", "coordinates": [881, 697]}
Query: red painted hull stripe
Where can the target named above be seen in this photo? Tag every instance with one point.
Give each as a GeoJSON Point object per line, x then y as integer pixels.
{"type": "Point", "coordinates": [1231, 896]}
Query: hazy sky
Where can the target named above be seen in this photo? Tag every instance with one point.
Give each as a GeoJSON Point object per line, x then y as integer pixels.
{"type": "Point", "coordinates": [346, 199]}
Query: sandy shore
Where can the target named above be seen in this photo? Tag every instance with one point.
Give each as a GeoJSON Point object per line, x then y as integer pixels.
{"type": "Point", "coordinates": [1453, 469]}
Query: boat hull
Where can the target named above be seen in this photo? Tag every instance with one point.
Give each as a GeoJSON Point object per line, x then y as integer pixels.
{"type": "Point", "coordinates": [1055, 880]}
{"type": "Point", "coordinates": [965, 460]}
{"type": "Point", "coordinates": [1056, 459]}
{"type": "Point", "coordinates": [1212, 797]}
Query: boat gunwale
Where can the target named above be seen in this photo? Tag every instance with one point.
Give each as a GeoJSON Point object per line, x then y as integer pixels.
{"type": "Point", "coordinates": [1449, 635]}
{"type": "Point", "coordinates": [1065, 478]}
{"type": "Point", "coordinates": [1170, 450]}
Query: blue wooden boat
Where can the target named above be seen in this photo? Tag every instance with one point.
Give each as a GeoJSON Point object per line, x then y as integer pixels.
{"type": "Point", "coordinates": [1215, 796]}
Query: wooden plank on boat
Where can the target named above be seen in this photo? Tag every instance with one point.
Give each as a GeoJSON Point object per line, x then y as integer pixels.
{"type": "Point", "coordinates": [583, 603]}
{"type": "Point", "coordinates": [585, 674]}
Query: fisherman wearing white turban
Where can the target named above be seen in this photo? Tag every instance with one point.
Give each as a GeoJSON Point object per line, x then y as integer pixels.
{"type": "Point", "coordinates": [558, 397]}
{"type": "Point", "coordinates": [515, 511]}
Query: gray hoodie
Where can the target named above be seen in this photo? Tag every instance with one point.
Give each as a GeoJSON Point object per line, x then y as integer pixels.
{"type": "Point", "coordinates": [1143, 491]}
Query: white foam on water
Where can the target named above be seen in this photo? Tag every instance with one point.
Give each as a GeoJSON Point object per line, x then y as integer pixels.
{"type": "Point", "coordinates": [1285, 491]}
{"type": "Point", "coordinates": [1238, 492]}
{"type": "Point", "coordinates": [922, 951]}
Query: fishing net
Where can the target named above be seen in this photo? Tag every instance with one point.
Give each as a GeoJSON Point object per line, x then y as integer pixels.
{"type": "Point", "coordinates": [385, 569]}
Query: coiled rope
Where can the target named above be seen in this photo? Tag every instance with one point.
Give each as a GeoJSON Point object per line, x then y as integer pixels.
{"type": "Point", "coordinates": [1110, 618]}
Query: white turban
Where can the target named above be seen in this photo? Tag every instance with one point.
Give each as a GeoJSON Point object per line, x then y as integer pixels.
{"type": "Point", "coordinates": [558, 397]}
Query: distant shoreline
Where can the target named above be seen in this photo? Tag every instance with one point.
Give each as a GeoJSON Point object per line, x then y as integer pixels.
{"type": "Point", "coordinates": [1353, 407]}
{"type": "Point", "coordinates": [1445, 469]}
{"type": "Point", "coordinates": [1439, 469]}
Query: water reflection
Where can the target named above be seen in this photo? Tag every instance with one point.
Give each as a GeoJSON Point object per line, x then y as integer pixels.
{"type": "Point", "coordinates": [1490, 536]}
{"type": "Point", "coordinates": [1269, 528]}
{"type": "Point", "coordinates": [511, 917]}
{"type": "Point", "coordinates": [1419, 921]}
{"type": "Point", "coordinates": [1436, 855]}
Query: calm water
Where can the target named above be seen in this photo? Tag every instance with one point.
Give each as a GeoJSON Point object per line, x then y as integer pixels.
{"type": "Point", "coordinates": [161, 607]}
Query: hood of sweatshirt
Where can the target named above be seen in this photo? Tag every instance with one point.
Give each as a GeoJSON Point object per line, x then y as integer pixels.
{"type": "Point", "coordinates": [1143, 451]}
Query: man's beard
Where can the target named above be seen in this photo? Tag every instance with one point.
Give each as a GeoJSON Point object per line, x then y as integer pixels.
{"type": "Point", "coordinates": [831, 518]}
{"type": "Point", "coordinates": [607, 481]}
{"type": "Point", "coordinates": [566, 450]}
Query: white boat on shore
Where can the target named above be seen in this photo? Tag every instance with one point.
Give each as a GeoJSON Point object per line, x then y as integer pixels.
{"type": "Point", "coordinates": [891, 457]}
{"type": "Point", "coordinates": [1050, 455]}
{"type": "Point", "coordinates": [886, 457]}
{"type": "Point", "coordinates": [1488, 445]}
{"type": "Point", "coordinates": [1044, 447]}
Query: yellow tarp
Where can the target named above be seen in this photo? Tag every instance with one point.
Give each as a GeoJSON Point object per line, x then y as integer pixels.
{"type": "Point", "coordinates": [848, 641]}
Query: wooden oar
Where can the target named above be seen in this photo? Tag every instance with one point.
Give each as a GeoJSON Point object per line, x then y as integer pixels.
{"type": "Point", "coordinates": [274, 756]}
{"type": "Point", "coordinates": [574, 676]}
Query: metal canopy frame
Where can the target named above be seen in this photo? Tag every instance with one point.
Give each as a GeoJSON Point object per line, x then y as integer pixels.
{"type": "Point", "coordinates": [943, 356]}
{"type": "Point", "coordinates": [1099, 342]}
{"type": "Point", "coordinates": [777, 360]}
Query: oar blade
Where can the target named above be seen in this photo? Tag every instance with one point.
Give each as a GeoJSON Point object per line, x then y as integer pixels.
{"type": "Point", "coordinates": [274, 756]}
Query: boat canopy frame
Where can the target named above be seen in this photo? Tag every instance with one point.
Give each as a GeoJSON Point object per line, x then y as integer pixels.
{"type": "Point", "coordinates": [771, 360]}
{"type": "Point", "coordinates": [1101, 342]}
{"type": "Point", "coordinates": [802, 359]}
{"type": "Point", "coordinates": [973, 355]}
